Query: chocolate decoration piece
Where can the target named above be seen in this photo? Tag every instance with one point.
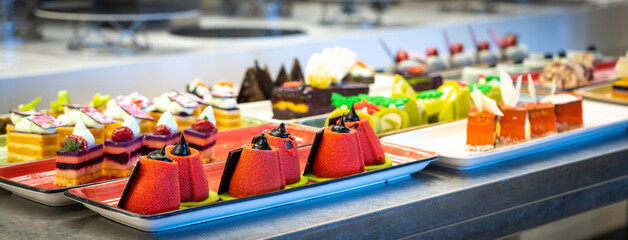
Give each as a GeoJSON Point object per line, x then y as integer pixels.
{"type": "Point", "coordinates": [352, 116]}
{"type": "Point", "coordinates": [295, 73]}
{"type": "Point", "coordinates": [132, 180]}
{"type": "Point", "coordinates": [340, 127]}
{"type": "Point", "coordinates": [261, 144]}
{"type": "Point", "coordinates": [181, 149]}
{"type": "Point", "coordinates": [160, 155]}
{"type": "Point", "coordinates": [280, 131]}
{"type": "Point", "coordinates": [282, 77]}
{"type": "Point", "coordinates": [227, 173]}
{"type": "Point", "coordinates": [315, 145]}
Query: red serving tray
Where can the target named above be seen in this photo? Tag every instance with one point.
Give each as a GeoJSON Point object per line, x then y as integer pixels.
{"type": "Point", "coordinates": [35, 179]}
{"type": "Point", "coordinates": [103, 198]}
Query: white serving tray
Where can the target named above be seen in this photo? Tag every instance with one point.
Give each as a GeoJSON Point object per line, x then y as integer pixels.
{"type": "Point", "coordinates": [449, 140]}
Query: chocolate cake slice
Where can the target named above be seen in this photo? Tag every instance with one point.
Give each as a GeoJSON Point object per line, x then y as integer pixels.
{"type": "Point", "coordinates": [305, 101]}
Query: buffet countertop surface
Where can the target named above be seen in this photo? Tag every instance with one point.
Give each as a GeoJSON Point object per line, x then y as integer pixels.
{"type": "Point", "coordinates": [436, 203]}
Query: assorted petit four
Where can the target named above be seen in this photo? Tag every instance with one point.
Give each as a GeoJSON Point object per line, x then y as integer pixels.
{"type": "Point", "coordinates": [166, 133]}
{"type": "Point", "coordinates": [457, 57]}
{"type": "Point", "coordinates": [57, 107]}
{"type": "Point", "coordinates": [372, 150]}
{"type": "Point", "coordinates": [90, 116]}
{"type": "Point", "coordinates": [287, 146]}
{"type": "Point", "coordinates": [193, 184]}
{"type": "Point", "coordinates": [514, 121]}
{"type": "Point", "coordinates": [122, 108]}
{"type": "Point", "coordinates": [224, 105]}
{"type": "Point", "coordinates": [252, 170]}
{"type": "Point", "coordinates": [330, 143]}
{"type": "Point", "coordinates": [361, 73]}
{"type": "Point", "coordinates": [568, 73]}
{"type": "Point", "coordinates": [568, 110]}
{"type": "Point", "coordinates": [510, 47]}
{"type": "Point", "coordinates": [122, 149]}
{"type": "Point", "coordinates": [202, 135]}
{"type": "Point", "coordinates": [79, 160]}
{"type": "Point", "coordinates": [483, 54]}
{"type": "Point", "coordinates": [181, 106]}
{"type": "Point", "coordinates": [482, 123]}
{"type": "Point", "coordinates": [153, 186]}
{"type": "Point", "coordinates": [34, 137]}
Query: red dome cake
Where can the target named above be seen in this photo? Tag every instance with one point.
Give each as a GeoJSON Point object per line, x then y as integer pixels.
{"type": "Point", "coordinates": [192, 180]}
{"type": "Point", "coordinates": [372, 149]}
{"type": "Point", "coordinates": [252, 170]}
{"type": "Point", "coordinates": [288, 154]}
{"type": "Point", "coordinates": [335, 153]}
{"type": "Point", "coordinates": [153, 186]}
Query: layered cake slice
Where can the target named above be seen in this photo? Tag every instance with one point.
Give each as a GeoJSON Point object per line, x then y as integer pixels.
{"type": "Point", "coordinates": [79, 160]}
{"type": "Point", "coordinates": [287, 146]}
{"type": "Point", "coordinates": [122, 150]}
{"type": "Point", "coordinates": [335, 153]}
{"type": "Point", "coordinates": [166, 133]}
{"type": "Point", "coordinates": [90, 116]}
{"type": "Point", "coordinates": [252, 170]}
{"type": "Point", "coordinates": [202, 135]}
{"type": "Point", "coordinates": [542, 119]}
{"type": "Point", "coordinates": [513, 123]}
{"type": "Point", "coordinates": [17, 116]}
{"type": "Point", "coordinates": [192, 181]}
{"type": "Point", "coordinates": [180, 106]}
{"type": "Point", "coordinates": [568, 109]}
{"type": "Point", "coordinates": [224, 105]}
{"type": "Point", "coordinates": [119, 110]}
{"type": "Point", "coordinates": [153, 186]}
{"type": "Point", "coordinates": [482, 123]}
{"type": "Point", "coordinates": [34, 137]}
{"type": "Point", "coordinates": [144, 104]}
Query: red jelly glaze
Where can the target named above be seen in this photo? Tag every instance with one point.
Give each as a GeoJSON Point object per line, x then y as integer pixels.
{"type": "Point", "coordinates": [192, 180]}
{"type": "Point", "coordinates": [542, 119]}
{"type": "Point", "coordinates": [156, 188]}
{"type": "Point", "coordinates": [372, 149]}
{"type": "Point", "coordinates": [513, 123]}
{"type": "Point", "coordinates": [569, 115]}
{"type": "Point", "coordinates": [289, 157]}
{"type": "Point", "coordinates": [338, 155]}
{"type": "Point", "coordinates": [257, 172]}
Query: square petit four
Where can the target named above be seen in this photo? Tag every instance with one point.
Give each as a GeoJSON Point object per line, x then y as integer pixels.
{"type": "Point", "coordinates": [513, 124]}
{"type": "Point", "coordinates": [166, 133]}
{"type": "Point", "coordinates": [568, 109]}
{"type": "Point", "coordinates": [181, 107]}
{"type": "Point", "coordinates": [224, 105]}
{"type": "Point", "coordinates": [202, 135]}
{"type": "Point", "coordinates": [482, 123]}
{"type": "Point", "coordinates": [90, 116]}
{"type": "Point", "coordinates": [122, 149]}
{"type": "Point", "coordinates": [79, 160]}
{"type": "Point", "coordinates": [34, 137]}
{"type": "Point", "coordinates": [542, 119]}
{"type": "Point", "coordinates": [119, 110]}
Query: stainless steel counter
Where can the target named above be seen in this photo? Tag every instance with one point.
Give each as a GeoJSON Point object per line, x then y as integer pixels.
{"type": "Point", "coordinates": [436, 203]}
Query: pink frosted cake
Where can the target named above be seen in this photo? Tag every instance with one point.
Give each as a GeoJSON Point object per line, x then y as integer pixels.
{"type": "Point", "coordinates": [79, 161]}
{"type": "Point", "coordinates": [122, 149]}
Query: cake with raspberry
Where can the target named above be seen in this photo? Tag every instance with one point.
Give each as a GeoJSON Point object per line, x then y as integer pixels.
{"type": "Point", "coordinates": [122, 149]}
{"type": "Point", "coordinates": [79, 160]}
{"type": "Point", "coordinates": [34, 137]}
{"type": "Point", "coordinates": [287, 146]}
{"type": "Point", "coordinates": [252, 170]}
{"type": "Point", "coordinates": [335, 153]}
{"type": "Point", "coordinates": [90, 116]}
{"type": "Point", "coordinates": [202, 135]}
{"type": "Point", "coordinates": [166, 133]}
{"type": "Point", "coordinates": [568, 109]}
{"type": "Point", "coordinates": [153, 186]}
{"type": "Point", "coordinates": [482, 123]}
{"type": "Point", "coordinates": [192, 181]}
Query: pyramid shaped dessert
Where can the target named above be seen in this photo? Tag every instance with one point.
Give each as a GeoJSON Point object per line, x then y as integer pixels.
{"type": "Point", "coordinates": [288, 153]}
{"type": "Point", "coordinates": [256, 86]}
{"type": "Point", "coordinates": [252, 170]}
{"type": "Point", "coordinates": [153, 186]}
{"type": "Point", "coordinates": [372, 150]}
{"type": "Point", "coordinates": [335, 153]}
{"type": "Point", "coordinates": [192, 181]}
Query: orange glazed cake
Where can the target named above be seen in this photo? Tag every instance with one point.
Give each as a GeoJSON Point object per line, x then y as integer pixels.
{"type": "Point", "coordinates": [513, 124]}
{"type": "Point", "coordinates": [482, 123]}
{"type": "Point", "coordinates": [542, 119]}
{"type": "Point", "coordinates": [568, 109]}
{"type": "Point", "coordinates": [34, 137]}
{"type": "Point", "coordinates": [79, 160]}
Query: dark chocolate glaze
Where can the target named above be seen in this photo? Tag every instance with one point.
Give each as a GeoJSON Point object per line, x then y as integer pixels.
{"type": "Point", "coordinates": [181, 149]}
{"type": "Point", "coordinates": [261, 143]}
{"type": "Point", "coordinates": [340, 127]}
{"type": "Point", "coordinates": [280, 131]}
{"type": "Point", "coordinates": [160, 155]}
{"type": "Point", "coordinates": [352, 116]}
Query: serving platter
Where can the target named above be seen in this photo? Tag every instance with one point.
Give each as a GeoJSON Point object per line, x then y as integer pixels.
{"type": "Point", "coordinates": [602, 92]}
{"type": "Point", "coordinates": [449, 140]}
{"type": "Point", "coordinates": [34, 180]}
{"type": "Point", "coordinates": [103, 198]}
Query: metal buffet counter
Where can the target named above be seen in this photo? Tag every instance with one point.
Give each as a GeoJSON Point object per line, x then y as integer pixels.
{"type": "Point", "coordinates": [491, 202]}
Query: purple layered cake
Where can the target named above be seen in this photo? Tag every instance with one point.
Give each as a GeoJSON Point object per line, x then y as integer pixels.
{"type": "Point", "coordinates": [79, 167]}
{"type": "Point", "coordinates": [202, 141]}
{"type": "Point", "coordinates": [154, 142]}
{"type": "Point", "coordinates": [296, 101]}
{"type": "Point", "coordinates": [120, 157]}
